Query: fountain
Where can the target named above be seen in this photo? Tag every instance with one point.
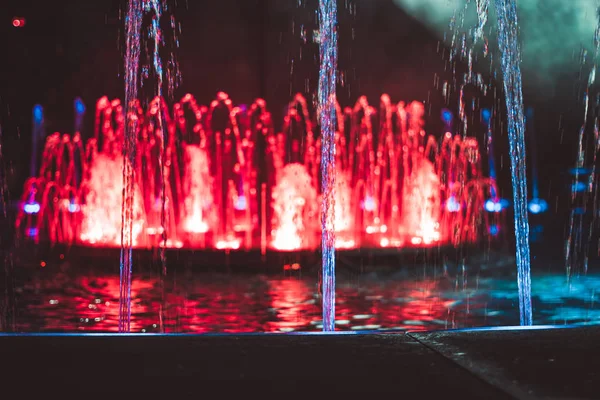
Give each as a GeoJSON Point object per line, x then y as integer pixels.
{"type": "Point", "coordinates": [328, 46]}
{"type": "Point", "coordinates": [511, 70]}
{"type": "Point", "coordinates": [130, 206]}
{"type": "Point", "coordinates": [233, 182]}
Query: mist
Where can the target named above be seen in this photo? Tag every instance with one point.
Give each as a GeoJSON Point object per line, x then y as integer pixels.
{"type": "Point", "coordinates": [552, 32]}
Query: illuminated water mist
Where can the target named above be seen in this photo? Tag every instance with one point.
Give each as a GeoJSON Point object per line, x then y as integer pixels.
{"type": "Point", "coordinates": [506, 11]}
{"type": "Point", "coordinates": [553, 28]}
{"type": "Point", "coordinates": [327, 117]}
{"type": "Point", "coordinates": [132, 58]}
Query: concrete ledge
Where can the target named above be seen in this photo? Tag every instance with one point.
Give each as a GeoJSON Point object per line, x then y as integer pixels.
{"type": "Point", "coordinates": [469, 364]}
{"type": "Point", "coordinates": [221, 367]}
{"type": "Point", "coordinates": [558, 363]}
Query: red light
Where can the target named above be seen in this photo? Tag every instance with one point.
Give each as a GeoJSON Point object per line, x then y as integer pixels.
{"type": "Point", "coordinates": [18, 22]}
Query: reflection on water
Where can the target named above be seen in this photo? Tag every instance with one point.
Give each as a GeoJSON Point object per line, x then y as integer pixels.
{"type": "Point", "coordinates": [201, 303]}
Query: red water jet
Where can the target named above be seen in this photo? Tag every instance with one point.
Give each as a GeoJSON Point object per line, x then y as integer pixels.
{"type": "Point", "coordinates": [231, 181]}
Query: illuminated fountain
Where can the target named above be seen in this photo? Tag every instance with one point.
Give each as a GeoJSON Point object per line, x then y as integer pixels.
{"type": "Point", "coordinates": [228, 180]}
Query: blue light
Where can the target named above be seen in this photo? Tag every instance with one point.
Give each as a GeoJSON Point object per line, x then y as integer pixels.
{"type": "Point", "coordinates": [536, 233]}
{"type": "Point", "coordinates": [32, 232]}
{"type": "Point", "coordinates": [452, 205]}
{"type": "Point", "coordinates": [579, 211]}
{"type": "Point", "coordinates": [447, 116]}
{"type": "Point", "coordinates": [578, 187]}
{"type": "Point", "coordinates": [79, 106]}
{"type": "Point", "coordinates": [31, 208]}
{"type": "Point", "coordinates": [240, 204]}
{"type": "Point", "coordinates": [38, 114]}
{"type": "Point", "coordinates": [529, 114]}
{"type": "Point", "coordinates": [494, 230]}
{"type": "Point", "coordinates": [537, 229]}
{"type": "Point", "coordinates": [486, 115]}
{"type": "Point", "coordinates": [73, 208]}
{"type": "Point", "coordinates": [496, 206]}
{"type": "Point", "coordinates": [369, 204]}
{"type": "Point", "coordinates": [580, 171]}
{"type": "Point", "coordinates": [537, 206]}
{"type": "Point", "coordinates": [492, 206]}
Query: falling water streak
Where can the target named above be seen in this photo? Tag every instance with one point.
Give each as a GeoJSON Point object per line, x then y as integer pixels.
{"type": "Point", "coordinates": [463, 45]}
{"type": "Point", "coordinates": [155, 33]}
{"type": "Point", "coordinates": [506, 11]}
{"type": "Point", "coordinates": [592, 178]}
{"type": "Point", "coordinates": [490, 149]}
{"type": "Point", "coordinates": [530, 128]}
{"type": "Point", "coordinates": [573, 246]}
{"type": "Point", "coordinates": [482, 17]}
{"type": "Point", "coordinates": [592, 189]}
{"type": "Point", "coordinates": [327, 116]}
{"type": "Point", "coordinates": [132, 56]}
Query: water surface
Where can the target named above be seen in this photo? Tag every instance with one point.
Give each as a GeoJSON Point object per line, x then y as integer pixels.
{"type": "Point", "coordinates": [51, 300]}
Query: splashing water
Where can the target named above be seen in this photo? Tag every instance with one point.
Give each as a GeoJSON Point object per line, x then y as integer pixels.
{"type": "Point", "coordinates": [100, 225]}
{"type": "Point", "coordinates": [344, 221]}
{"type": "Point", "coordinates": [198, 202]}
{"type": "Point", "coordinates": [294, 205]}
{"type": "Point", "coordinates": [132, 57]}
{"type": "Point", "coordinates": [506, 11]}
{"type": "Point", "coordinates": [327, 116]}
{"type": "Point", "coordinates": [422, 195]}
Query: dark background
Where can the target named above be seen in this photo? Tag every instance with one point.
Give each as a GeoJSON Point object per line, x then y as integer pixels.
{"type": "Point", "coordinates": [72, 48]}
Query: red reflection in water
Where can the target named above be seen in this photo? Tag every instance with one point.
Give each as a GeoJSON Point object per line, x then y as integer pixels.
{"type": "Point", "coordinates": [234, 304]}
{"type": "Point", "coordinates": [293, 303]}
